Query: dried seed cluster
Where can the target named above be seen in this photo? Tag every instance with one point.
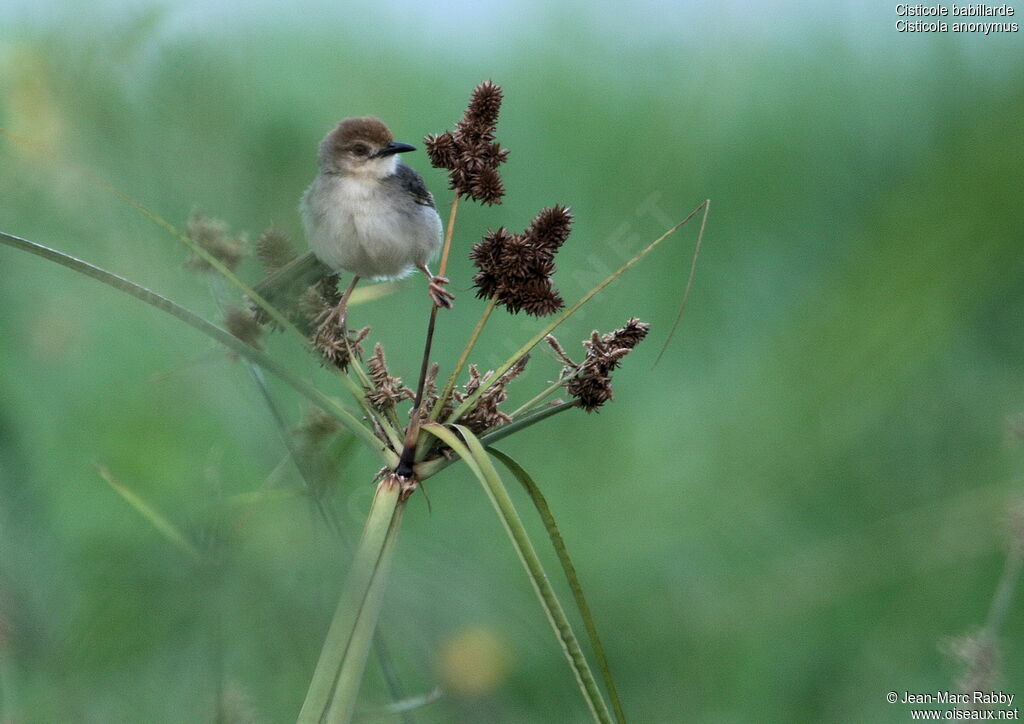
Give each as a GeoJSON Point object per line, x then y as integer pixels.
{"type": "Point", "coordinates": [470, 153]}
{"type": "Point", "coordinates": [310, 311]}
{"type": "Point", "coordinates": [590, 381]}
{"type": "Point", "coordinates": [336, 343]}
{"type": "Point", "coordinates": [517, 268]}
{"type": "Point", "coordinates": [274, 249]}
{"type": "Point", "coordinates": [485, 414]}
{"type": "Point", "coordinates": [317, 427]}
{"type": "Point", "coordinates": [212, 236]}
{"type": "Point", "coordinates": [387, 391]}
{"type": "Point", "coordinates": [243, 325]}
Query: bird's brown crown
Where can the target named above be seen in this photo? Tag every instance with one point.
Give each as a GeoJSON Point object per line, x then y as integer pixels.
{"type": "Point", "coordinates": [365, 128]}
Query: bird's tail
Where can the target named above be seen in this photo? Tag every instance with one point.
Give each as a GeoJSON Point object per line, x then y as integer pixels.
{"type": "Point", "coordinates": [284, 284]}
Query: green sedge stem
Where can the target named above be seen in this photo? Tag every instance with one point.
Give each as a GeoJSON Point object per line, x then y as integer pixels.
{"type": "Point", "coordinates": [163, 526]}
{"type": "Point", "coordinates": [529, 404]}
{"type": "Point", "coordinates": [410, 449]}
{"type": "Point", "coordinates": [335, 682]}
{"type": "Point", "coordinates": [308, 479]}
{"type": "Point", "coordinates": [425, 364]}
{"type": "Point", "coordinates": [448, 232]}
{"type": "Point", "coordinates": [463, 358]}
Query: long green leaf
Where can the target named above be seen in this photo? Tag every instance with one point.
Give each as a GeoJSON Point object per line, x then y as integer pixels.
{"type": "Point", "coordinates": [468, 403]}
{"type": "Point", "coordinates": [541, 504]}
{"type": "Point", "coordinates": [478, 461]}
{"type": "Point", "coordinates": [164, 304]}
{"type": "Point", "coordinates": [339, 671]}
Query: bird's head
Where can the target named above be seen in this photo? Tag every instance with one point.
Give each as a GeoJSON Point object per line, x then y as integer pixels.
{"type": "Point", "coordinates": [361, 147]}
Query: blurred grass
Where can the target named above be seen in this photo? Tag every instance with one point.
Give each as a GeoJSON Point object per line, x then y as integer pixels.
{"type": "Point", "coordinates": [825, 442]}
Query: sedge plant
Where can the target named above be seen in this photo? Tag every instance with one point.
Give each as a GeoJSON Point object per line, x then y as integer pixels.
{"type": "Point", "coordinates": [418, 432]}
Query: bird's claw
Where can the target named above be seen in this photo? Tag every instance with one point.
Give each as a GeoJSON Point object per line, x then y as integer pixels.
{"type": "Point", "coordinates": [441, 296]}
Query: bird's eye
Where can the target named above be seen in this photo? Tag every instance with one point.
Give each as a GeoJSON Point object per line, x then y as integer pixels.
{"type": "Point", "coordinates": [360, 150]}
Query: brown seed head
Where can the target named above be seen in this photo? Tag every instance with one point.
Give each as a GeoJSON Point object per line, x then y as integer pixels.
{"type": "Point", "coordinates": [213, 237]}
{"type": "Point", "coordinates": [387, 391]}
{"type": "Point", "coordinates": [486, 255]}
{"type": "Point", "coordinates": [485, 414]}
{"type": "Point", "coordinates": [317, 427]}
{"type": "Point", "coordinates": [592, 390]}
{"type": "Point", "coordinates": [630, 335]}
{"type": "Point", "coordinates": [538, 298]}
{"type": "Point", "coordinates": [550, 228]}
{"type": "Point", "coordinates": [334, 343]}
{"type": "Point", "coordinates": [311, 306]}
{"type": "Point", "coordinates": [470, 153]}
{"type": "Point", "coordinates": [496, 155]}
{"type": "Point", "coordinates": [517, 268]}
{"type": "Point", "coordinates": [590, 382]}
{"type": "Point", "coordinates": [430, 395]}
{"type": "Point", "coordinates": [243, 325]}
{"type": "Point", "coordinates": [484, 105]}
{"type": "Point", "coordinates": [274, 249]}
{"type": "Point", "coordinates": [487, 186]}
{"type": "Point", "coordinates": [442, 150]}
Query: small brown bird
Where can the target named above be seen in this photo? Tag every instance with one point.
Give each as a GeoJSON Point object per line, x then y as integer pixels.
{"type": "Point", "coordinates": [366, 213]}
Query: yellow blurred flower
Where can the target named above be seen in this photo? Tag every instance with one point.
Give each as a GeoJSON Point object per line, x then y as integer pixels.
{"type": "Point", "coordinates": [474, 661]}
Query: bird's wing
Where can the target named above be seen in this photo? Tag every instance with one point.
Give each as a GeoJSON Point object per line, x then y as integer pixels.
{"type": "Point", "coordinates": [411, 183]}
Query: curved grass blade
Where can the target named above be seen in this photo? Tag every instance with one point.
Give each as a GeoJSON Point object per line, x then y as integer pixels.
{"type": "Point", "coordinates": [468, 403]}
{"type": "Point", "coordinates": [541, 504]}
{"type": "Point", "coordinates": [478, 461]}
{"type": "Point", "coordinates": [689, 284]}
{"type": "Point", "coordinates": [331, 407]}
{"type": "Point", "coordinates": [163, 526]}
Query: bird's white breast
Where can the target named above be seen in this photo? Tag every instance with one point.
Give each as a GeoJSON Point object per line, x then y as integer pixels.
{"type": "Point", "coordinates": [357, 224]}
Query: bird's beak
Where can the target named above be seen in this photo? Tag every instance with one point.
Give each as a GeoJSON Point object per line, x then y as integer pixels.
{"type": "Point", "coordinates": [394, 147]}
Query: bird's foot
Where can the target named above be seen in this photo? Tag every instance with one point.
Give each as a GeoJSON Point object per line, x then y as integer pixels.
{"type": "Point", "coordinates": [441, 296]}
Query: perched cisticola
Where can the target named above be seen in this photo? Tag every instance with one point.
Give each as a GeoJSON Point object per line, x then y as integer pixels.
{"type": "Point", "coordinates": [366, 213]}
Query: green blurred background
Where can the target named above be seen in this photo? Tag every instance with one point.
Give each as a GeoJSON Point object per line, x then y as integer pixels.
{"type": "Point", "coordinates": [792, 515]}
